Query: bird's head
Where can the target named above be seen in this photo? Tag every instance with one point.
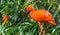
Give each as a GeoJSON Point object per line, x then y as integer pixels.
{"type": "Point", "coordinates": [29, 9]}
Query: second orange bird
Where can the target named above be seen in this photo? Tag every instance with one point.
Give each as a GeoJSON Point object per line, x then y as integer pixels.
{"type": "Point", "coordinates": [5, 18]}
{"type": "Point", "coordinates": [40, 15]}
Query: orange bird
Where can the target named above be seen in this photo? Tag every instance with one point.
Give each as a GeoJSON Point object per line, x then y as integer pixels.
{"type": "Point", "coordinates": [5, 18]}
{"type": "Point", "coordinates": [40, 15]}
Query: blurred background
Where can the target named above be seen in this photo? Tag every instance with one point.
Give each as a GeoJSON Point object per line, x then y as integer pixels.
{"type": "Point", "coordinates": [19, 24]}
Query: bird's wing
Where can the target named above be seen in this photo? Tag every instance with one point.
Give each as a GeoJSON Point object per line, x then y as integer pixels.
{"type": "Point", "coordinates": [45, 15]}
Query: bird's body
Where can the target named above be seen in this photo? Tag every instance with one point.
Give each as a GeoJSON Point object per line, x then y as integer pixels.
{"type": "Point", "coordinates": [5, 18]}
{"type": "Point", "coordinates": [41, 15]}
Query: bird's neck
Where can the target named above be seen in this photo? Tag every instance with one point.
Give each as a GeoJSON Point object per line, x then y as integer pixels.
{"type": "Point", "coordinates": [31, 12]}
{"type": "Point", "coordinates": [32, 9]}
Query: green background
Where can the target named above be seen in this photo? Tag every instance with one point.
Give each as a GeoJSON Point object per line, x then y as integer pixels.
{"type": "Point", "coordinates": [24, 25]}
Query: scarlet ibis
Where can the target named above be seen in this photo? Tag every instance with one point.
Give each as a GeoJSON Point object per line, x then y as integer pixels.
{"type": "Point", "coordinates": [5, 18]}
{"type": "Point", "coordinates": [40, 15]}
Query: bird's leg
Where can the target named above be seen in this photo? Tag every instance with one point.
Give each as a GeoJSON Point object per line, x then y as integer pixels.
{"type": "Point", "coordinates": [44, 31]}
{"type": "Point", "coordinates": [41, 28]}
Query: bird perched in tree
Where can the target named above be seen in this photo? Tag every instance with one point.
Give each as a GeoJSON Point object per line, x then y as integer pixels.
{"type": "Point", "coordinates": [40, 15]}
{"type": "Point", "coordinates": [5, 18]}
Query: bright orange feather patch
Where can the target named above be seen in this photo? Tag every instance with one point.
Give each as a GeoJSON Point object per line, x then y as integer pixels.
{"type": "Point", "coordinates": [5, 18]}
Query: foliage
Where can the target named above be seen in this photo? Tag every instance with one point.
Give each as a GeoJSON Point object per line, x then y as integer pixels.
{"type": "Point", "coordinates": [24, 25]}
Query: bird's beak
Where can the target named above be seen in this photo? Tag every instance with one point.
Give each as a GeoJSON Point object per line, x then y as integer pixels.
{"type": "Point", "coordinates": [26, 11]}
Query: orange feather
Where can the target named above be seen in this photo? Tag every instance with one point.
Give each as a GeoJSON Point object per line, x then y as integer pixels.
{"type": "Point", "coordinates": [5, 18]}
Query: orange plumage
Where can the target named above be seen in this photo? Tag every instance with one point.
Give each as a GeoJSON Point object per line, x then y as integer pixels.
{"type": "Point", "coordinates": [5, 18]}
{"type": "Point", "coordinates": [40, 15]}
